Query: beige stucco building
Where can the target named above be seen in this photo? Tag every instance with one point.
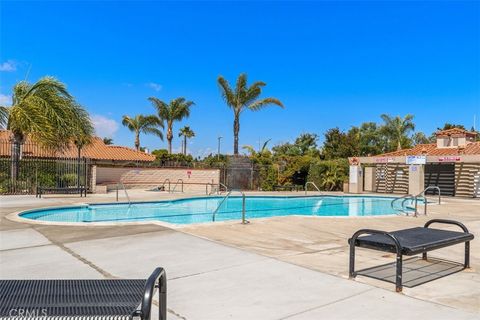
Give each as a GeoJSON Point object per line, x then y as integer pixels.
{"type": "Point", "coordinates": [451, 163]}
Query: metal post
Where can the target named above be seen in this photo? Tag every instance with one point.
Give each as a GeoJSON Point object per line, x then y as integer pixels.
{"type": "Point", "coordinates": [425, 205]}
{"type": "Point", "coordinates": [218, 151]}
{"type": "Point", "coordinates": [351, 271]}
{"type": "Point", "coordinates": [467, 254]}
{"type": "Point", "coordinates": [398, 277]}
{"type": "Point", "coordinates": [243, 209]}
{"type": "Point", "coordinates": [117, 192]}
{"type": "Point", "coordinates": [416, 206]}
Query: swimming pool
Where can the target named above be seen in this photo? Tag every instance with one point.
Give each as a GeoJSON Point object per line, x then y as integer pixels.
{"type": "Point", "coordinates": [198, 210]}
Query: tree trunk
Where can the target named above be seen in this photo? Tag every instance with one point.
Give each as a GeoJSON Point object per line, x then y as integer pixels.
{"type": "Point", "coordinates": [399, 145]}
{"type": "Point", "coordinates": [16, 156]}
{"type": "Point", "coordinates": [169, 137]}
{"type": "Point", "coordinates": [236, 130]}
{"type": "Point", "coordinates": [185, 145]}
{"type": "Point", "coordinates": [137, 141]}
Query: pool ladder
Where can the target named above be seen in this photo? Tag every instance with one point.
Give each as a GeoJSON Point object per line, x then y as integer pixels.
{"type": "Point", "coordinates": [176, 184]}
{"type": "Point", "coordinates": [124, 190]}
{"type": "Point", "coordinates": [415, 199]}
{"type": "Point", "coordinates": [313, 184]}
{"type": "Point", "coordinates": [244, 221]}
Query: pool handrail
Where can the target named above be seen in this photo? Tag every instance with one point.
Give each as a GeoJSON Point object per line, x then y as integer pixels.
{"type": "Point", "coordinates": [176, 184]}
{"type": "Point", "coordinates": [422, 195]}
{"type": "Point", "coordinates": [313, 184]}
{"type": "Point", "coordinates": [404, 198]}
{"type": "Point", "coordinates": [126, 193]}
{"type": "Point", "coordinates": [206, 188]}
{"type": "Point", "coordinates": [222, 185]}
{"type": "Point", "coordinates": [165, 182]}
{"type": "Point", "coordinates": [225, 198]}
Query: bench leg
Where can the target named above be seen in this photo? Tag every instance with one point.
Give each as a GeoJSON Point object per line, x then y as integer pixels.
{"type": "Point", "coordinates": [424, 256]}
{"type": "Point", "coordinates": [467, 255]}
{"type": "Point", "coordinates": [351, 270]}
{"type": "Point", "coordinates": [398, 277]}
{"type": "Point", "coordinates": [162, 299]}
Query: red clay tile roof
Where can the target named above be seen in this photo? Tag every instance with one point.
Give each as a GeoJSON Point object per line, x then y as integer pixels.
{"type": "Point", "coordinates": [454, 131]}
{"type": "Point", "coordinates": [432, 150]}
{"type": "Point", "coordinates": [97, 150]}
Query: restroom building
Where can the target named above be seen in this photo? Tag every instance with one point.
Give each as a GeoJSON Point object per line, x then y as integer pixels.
{"type": "Point", "coordinates": [451, 163]}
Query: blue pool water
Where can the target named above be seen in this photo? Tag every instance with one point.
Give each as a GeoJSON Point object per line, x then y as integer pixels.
{"type": "Point", "coordinates": [197, 210]}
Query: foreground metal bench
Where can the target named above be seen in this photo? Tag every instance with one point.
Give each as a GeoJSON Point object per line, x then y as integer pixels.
{"type": "Point", "coordinates": [409, 242]}
{"type": "Point", "coordinates": [83, 299]}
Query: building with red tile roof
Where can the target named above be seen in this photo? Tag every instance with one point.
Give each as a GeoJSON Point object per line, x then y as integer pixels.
{"type": "Point", "coordinates": [452, 163]}
{"type": "Point", "coordinates": [97, 151]}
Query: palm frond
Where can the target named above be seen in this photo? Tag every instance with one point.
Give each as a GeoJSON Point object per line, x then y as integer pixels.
{"type": "Point", "coordinates": [260, 104]}
{"type": "Point", "coordinates": [226, 91]}
{"type": "Point", "coordinates": [4, 111]}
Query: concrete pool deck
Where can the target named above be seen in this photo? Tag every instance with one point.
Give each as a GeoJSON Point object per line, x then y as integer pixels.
{"type": "Point", "coordinates": [276, 268]}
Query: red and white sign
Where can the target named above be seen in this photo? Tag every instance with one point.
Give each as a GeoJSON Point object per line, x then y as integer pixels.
{"type": "Point", "coordinates": [189, 173]}
{"type": "Point", "coordinates": [384, 160]}
{"type": "Point", "coordinates": [449, 159]}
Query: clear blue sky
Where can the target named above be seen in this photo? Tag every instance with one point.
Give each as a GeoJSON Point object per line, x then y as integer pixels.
{"type": "Point", "coordinates": [331, 63]}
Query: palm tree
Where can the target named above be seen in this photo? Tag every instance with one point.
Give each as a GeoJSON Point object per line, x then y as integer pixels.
{"type": "Point", "coordinates": [176, 110]}
{"type": "Point", "coordinates": [143, 124]}
{"type": "Point", "coordinates": [48, 114]}
{"type": "Point", "coordinates": [243, 97]}
{"type": "Point", "coordinates": [108, 141]}
{"type": "Point", "coordinates": [187, 133]}
{"type": "Point", "coordinates": [397, 129]}
{"type": "Point", "coordinates": [332, 178]}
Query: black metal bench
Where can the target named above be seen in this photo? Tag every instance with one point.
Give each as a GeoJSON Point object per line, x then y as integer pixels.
{"type": "Point", "coordinates": [409, 242]}
{"type": "Point", "coordinates": [82, 190]}
{"type": "Point", "coordinates": [83, 299]}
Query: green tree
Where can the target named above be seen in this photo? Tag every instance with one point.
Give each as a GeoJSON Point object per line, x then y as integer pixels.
{"type": "Point", "coordinates": [371, 140]}
{"type": "Point", "coordinates": [177, 110]}
{"type": "Point", "coordinates": [46, 112]}
{"type": "Point", "coordinates": [262, 150]}
{"type": "Point", "coordinates": [337, 145]}
{"type": "Point", "coordinates": [307, 143]}
{"type": "Point", "coordinates": [286, 149]}
{"type": "Point", "coordinates": [186, 133]}
{"type": "Point", "coordinates": [420, 138]}
{"type": "Point", "coordinates": [448, 126]}
{"type": "Point", "coordinates": [241, 98]}
{"type": "Point", "coordinates": [143, 124]}
{"type": "Point", "coordinates": [108, 141]}
{"type": "Point", "coordinates": [397, 129]}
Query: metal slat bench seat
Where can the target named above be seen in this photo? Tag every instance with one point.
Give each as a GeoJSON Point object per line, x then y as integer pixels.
{"type": "Point", "coordinates": [409, 242]}
{"type": "Point", "coordinates": [82, 299]}
{"type": "Point", "coordinates": [82, 190]}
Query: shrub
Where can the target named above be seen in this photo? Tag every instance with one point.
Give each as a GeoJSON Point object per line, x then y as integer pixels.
{"type": "Point", "coordinates": [329, 174]}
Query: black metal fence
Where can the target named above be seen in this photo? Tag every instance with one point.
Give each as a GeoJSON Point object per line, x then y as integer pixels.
{"type": "Point", "coordinates": [25, 167]}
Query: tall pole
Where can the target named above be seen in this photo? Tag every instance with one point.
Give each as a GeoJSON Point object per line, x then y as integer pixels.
{"type": "Point", "coordinates": [218, 151]}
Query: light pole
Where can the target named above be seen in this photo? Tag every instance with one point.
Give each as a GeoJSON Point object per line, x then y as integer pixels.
{"type": "Point", "coordinates": [218, 151]}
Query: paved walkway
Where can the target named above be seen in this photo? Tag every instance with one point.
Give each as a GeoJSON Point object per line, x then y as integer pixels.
{"type": "Point", "coordinates": [206, 279]}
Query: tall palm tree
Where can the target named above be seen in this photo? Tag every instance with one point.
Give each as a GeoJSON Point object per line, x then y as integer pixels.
{"type": "Point", "coordinates": [176, 110]}
{"type": "Point", "coordinates": [242, 98]}
{"type": "Point", "coordinates": [397, 129]}
{"type": "Point", "coordinates": [186, 133]}
{"type": "Point", "coordinates": [143, 124]}
{"type": "Point", "coordinates": [46, 112]}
